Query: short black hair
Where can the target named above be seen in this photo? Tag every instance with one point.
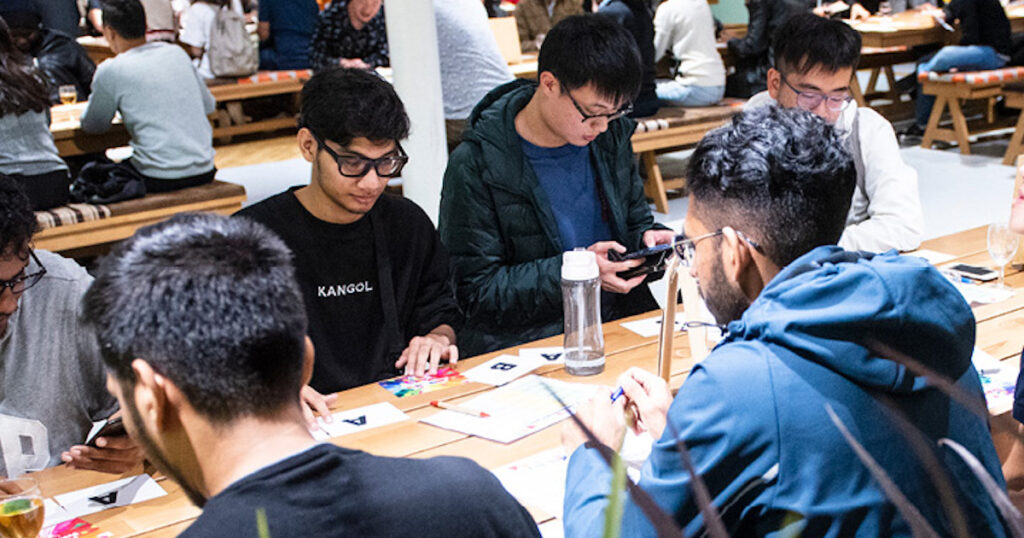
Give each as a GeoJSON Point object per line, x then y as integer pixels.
{"type": "Point", "coordinates": [211, 303]}
{"type": "Point", "coordinates": [340, 104]}
{"type": "Point", "coordinates": [17, 220]}
{"type": "Point", "coordinates": [782, 176]}
{"type": "Point", "coordinates": [126, 17]}
{"type": "Point", "coordinates": [807, 41]}
{"type": "Point", "coordinates": [593, 49]}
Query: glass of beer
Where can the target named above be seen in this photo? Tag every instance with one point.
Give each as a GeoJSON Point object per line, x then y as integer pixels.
{"type": "Point", "coordinates": [68, 94]}
{"type": "Point", "coordinates": [21, 508]}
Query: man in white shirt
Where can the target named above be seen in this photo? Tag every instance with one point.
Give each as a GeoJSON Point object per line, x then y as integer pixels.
{"type": "Point", "coordinates": [686, 29]}
{"type": "Point", "coordinates": [815, 61]}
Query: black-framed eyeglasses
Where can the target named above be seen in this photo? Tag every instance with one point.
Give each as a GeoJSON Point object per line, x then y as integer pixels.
{"type": "Point", "coordinates": [626, 109]}
{"type": "Point", "coordinates": [19, 284]}
{"type": "Point", "coordinates": [808, 100]}
{"type": "Point", "coordinates": [686, 248]}
{"type": "Point", "coordinates": [358, 166]}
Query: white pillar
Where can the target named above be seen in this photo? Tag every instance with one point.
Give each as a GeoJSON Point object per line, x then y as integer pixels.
{"type": "Point", "coordinates": [412, 41]}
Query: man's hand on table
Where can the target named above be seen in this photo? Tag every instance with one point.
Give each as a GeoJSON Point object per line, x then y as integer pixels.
{"type": "Point", "coordinates": [650, 396]}
{"type": "Point", "coordinates": [112, 454]}
{"type": "Point", "coordinates": [859, 13]}
{"type": "Point", "coordinates": [604, 418]}
{"type": "Point", "coordinates": [424, 353]}
{"type": "Point", "coordinates": [610, 281]}
{"type": "Point", "coordinates": [314, 402]}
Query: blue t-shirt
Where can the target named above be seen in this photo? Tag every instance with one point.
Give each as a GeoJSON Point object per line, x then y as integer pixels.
{"type": "Point", "coordinates": [291, 28]}
{"type": "Point", "coordinates": [567, 176]}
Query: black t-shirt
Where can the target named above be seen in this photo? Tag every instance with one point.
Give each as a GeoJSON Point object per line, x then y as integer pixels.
{"type": "Point", "coordinates": [333, 491]}
{"type": "Point", "coordinates": [337, 266]}
{"type": "Point", "coordinates": [982, 22]}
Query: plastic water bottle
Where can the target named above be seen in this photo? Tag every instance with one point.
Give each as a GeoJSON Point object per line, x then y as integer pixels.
{"type": "Point", "coordinates": [581, 300]}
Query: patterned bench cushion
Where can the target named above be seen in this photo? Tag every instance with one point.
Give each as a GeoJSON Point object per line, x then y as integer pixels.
{"type": "Point", "coordinates": [70, 214]}
{"type": "Point", "coordinates": [668, 116]}
{"type": "Point", "coordinates": [1006, 74]}
{"type": "Point", "coordinates": [272, 76]}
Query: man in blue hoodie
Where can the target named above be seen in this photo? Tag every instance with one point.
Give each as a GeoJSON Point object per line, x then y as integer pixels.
{"type": "Point", "coordinates": [769, 195]}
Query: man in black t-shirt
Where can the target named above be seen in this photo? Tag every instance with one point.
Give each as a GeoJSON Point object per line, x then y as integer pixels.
{"type": "Point", "coordinates": [201, 326]}
{"type": "Point", "coordinates": [373, 273]}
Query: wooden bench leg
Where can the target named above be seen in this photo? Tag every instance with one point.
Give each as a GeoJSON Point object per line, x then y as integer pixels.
{"type": "Point", "coordinates": [933, 121]}
{"type": "Point", "coordinates": [891, 76]}
{"type": "Point", "coordinates": [1014, 149]}
{"type": "Point", "coordinates": [858, 95]}
{"type": "Point", "coordinates": [960, 126]}
{"type": "Point", "coordinates": [654, 187]}
{"type": "Point", "coordinates": [872, 80]}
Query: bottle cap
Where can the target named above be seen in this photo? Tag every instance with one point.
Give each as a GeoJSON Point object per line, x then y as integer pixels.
{"type": "Point", "coordinates": [579, 265]}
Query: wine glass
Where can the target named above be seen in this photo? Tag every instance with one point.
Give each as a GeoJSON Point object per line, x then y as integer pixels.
{"type": "Point", "coordinates": [1002, 245]}
{"type": "Point", "coordinates": [68, 94]}
{"type": "Point", "coordinates": [21, 508]}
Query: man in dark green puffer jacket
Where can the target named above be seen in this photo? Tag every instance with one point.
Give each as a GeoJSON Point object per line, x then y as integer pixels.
{"type": "Point", "coordinates": [546, 167]}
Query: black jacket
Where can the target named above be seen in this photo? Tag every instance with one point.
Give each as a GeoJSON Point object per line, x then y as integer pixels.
{"type": "Point", "coordinates": [65, 62]}
{"type": "Point", "coordinates": [752, 50]}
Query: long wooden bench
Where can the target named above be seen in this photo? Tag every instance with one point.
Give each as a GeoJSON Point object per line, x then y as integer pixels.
{"type": "Point", "coordinates": [1013, 97]}
{"type": "Point", "coordinates": [671, 129]}
{"type": "Point", "coordinates": [950, 88]}
{"type": "Point", "coordinates": [880, 61]}
{"type": "Point", "coordinates": [229, 119]}
{"type": "Point", "coordinates": [82, 225]}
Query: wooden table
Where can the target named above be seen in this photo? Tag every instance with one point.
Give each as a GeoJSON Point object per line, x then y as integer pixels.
{"type": "Point", "coordinates": [913, 28]}
{"type": "Point", "coordinates": [97, 48]}
{"type": "Point", "coordinates": [72, 140]}
{"type": "Point", "coordinates": [998, 333]}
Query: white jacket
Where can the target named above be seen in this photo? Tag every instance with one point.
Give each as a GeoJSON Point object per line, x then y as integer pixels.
{"type": "Point", "coordinates": [886, 209]}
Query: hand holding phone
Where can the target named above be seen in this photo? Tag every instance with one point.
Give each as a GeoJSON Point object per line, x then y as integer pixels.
{"type": "Point", "coordinates": [111, 427]}
{"type": "Point", "coordinates": [654, 260]}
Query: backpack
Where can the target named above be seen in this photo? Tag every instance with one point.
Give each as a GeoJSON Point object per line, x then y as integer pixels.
{"type": "Point", "coordinates": [231, 51]}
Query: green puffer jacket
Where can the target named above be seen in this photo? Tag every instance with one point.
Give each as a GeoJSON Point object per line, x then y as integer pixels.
{"type": "Point", "coordinates": [496, 222]}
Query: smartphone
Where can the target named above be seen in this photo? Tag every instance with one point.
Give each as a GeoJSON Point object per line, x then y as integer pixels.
{"type": "Point", "coordinates": [111, 427]}
{"type": "Point", "coordinates": [975, 272]}
{"type": "Point", "coordinates": [654, 260]}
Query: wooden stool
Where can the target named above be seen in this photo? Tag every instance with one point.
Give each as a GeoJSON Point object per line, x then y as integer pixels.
{"type": "Point", "coordinates": [879, 60]}
{"type": "Point", "coordinates": [1013, 97]}
{"type": "Point", "coordinates": [674, 128]}
{"type": "Point", "coordinates": [950, 88]}
{"type": "Point", "coordinates": [228, 119]}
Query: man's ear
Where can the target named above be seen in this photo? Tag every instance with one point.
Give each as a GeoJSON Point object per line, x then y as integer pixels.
{"type": "Point", "coordinates": [307, 144]}
{"type": "Point", "coordinates": [549, 84]}
{"type": "Point", "coordinates": [150, 395]}
{"type": "Point", "coordinates": [308, 355]}
{"type": "Point", "coordinates": [774, 83]}
{"type": "Point", "coordinates": [738, 264]}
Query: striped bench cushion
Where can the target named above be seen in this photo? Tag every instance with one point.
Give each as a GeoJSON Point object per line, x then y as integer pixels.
{"type": "Point", "coordinates": [70, 214]}
{"type": "Point", "coordinates": [273, 76]}
{"type": "Point", "coordinates": [1006, 74]}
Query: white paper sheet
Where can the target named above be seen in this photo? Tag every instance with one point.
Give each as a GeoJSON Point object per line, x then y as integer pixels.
{"type": "Point", "coordinates": [517, 409]}
{"type": "Point", "coordinates": [502, 369]}
{"type": "Point", "coordinates": [357, 420]}
{"type": "Point", "coordinates": [649, 327]}
{"type": "Point", "coordinates": [931, 256]}
{"type": "Point", "coordinates": [543, 355]}
{"type": "Point", "coordinates": [131, 490]}
{"type": "Point", "coordinates": [985, 363]}
{"type": "Point", "coordinates": [978, 294]}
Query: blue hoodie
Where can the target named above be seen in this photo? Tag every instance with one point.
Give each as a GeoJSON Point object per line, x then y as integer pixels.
{"type": "Point", "coordinates": [753, 412]}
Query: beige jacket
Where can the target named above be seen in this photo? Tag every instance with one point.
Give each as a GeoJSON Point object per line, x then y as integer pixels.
{"type": "Point", "coordinates": [533, 20]}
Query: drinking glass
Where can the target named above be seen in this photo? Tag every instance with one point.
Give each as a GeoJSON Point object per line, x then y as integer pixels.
{"type": "Point", "coordinates": [1002, 245]}
{"type": "Point", "coordinates": [21, 508]}
{"type": "Point", "coordinates": [68, 94]}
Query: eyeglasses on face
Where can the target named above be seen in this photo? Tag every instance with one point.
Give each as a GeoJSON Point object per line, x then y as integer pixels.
{"type": "Point", "coordinates": [626, 109]}
{"type": "Point", "coordinates": [686, 248]}
{"type": "Point", "coordinates": [350, 165]}
{"type": "Point", "coordinates": [809, 100]}
{"type": "Point", "coordinates": [19, 284]}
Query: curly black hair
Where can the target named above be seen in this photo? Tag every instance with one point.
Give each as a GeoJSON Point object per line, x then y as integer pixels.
{"type": "Point", "coordinates": [782, 176]}
{"type": "Point", "coordinates": [17, 221]}
{"type": "Point", "coordinates": [341, 104]}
